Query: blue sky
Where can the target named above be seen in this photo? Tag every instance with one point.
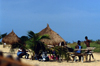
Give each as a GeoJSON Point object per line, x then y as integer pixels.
{"type": "Point", "coordinates": [71, 19]}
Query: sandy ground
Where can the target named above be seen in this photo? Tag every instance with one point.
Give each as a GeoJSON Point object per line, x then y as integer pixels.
{"type": "Point", "coordinates": [54, 63]}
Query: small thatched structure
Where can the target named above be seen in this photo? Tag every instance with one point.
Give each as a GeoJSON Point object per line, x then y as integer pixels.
{"type": "Point", "coordinates": [55, 39]}
{"type": "Point", "coordinates": [11, 38]}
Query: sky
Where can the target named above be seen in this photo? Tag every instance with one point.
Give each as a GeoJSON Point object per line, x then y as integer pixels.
{"type": "Point", "coordinates": [71, 19]}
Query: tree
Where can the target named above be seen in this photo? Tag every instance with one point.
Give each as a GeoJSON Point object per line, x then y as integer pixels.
{"type": "Point", "coordinates": [61, 51]}
{"type": "Point", "coordinates": [3, 35]}
{"type": "Point", "coordinates": [34, 42]}
{"type": "Point", "coordinates": [23, 39]}
{"type": "Point", "coordinates": [0, 36]}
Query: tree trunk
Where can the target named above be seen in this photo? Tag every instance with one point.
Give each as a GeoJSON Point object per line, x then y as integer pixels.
{"type": "Point", "coordinates": [32, 57]}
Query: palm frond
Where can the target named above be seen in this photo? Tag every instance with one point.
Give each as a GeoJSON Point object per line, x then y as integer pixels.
{"type": "Point", "coordinates": [45, 36]}
{"type": "Point", "coordinates": [31, 34]}
{"type": "Point", "coordinates": [3, 35]}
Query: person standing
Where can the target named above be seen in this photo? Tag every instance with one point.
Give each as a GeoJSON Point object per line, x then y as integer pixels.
{"type": "Point", "coordinates": [87, 42]}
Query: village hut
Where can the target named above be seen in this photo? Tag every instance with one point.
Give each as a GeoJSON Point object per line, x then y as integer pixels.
{"type": "Point", "coordinates": [10, 39]}
{"type": "Point", "coordinates": [54, 40]}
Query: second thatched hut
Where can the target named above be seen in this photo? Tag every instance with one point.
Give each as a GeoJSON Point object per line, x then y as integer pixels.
{"type": "Point", "coordinates": [10, 39]}
{"type": "Point", "coordinates": [54, 40]}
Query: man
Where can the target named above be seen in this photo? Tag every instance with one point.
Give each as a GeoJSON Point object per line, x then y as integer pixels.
{"type": "Point", "coordinates": [87, 42]}
{"type": "Point", "coordinates": [78, 47]}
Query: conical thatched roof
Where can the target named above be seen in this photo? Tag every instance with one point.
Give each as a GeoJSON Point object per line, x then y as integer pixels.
{"type": "Point", "coordinates": [55, 39]}
{"type": "Point", "coordinates": [11, 38]}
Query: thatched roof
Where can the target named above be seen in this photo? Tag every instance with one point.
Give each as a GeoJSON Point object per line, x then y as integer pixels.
{"type": "Point", "coordinates": [55, 39]}
{"type": "Point", "coordinates": [11, 38]}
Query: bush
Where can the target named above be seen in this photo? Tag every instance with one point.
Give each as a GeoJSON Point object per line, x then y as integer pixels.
{"type": "Point", "coordinates": [92, 44]}
{"type": "Point", "coordinates": [0, 43]}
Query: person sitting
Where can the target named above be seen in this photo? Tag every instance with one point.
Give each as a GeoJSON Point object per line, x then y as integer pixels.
{"type": "Point", "coordinates": [21, 52]}
{"type": "Point", "coordinates": [44, 56]}
{"type": "Point", "coordinates": [78, 47]}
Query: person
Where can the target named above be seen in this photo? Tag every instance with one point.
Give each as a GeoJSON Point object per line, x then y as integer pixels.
{"type": "Point", "coordinates": [44, 56]}
{"type": "Point", "coordinates": [78, 47]}
{"type": "Point", "coordinates": [87, 42]}
{"type": "Point", "coordinates": [21, 52]}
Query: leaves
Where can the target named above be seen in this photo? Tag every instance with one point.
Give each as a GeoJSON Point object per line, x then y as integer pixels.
{"type": "Point", "coordinates": [24, 38]}
{"type": "Point", "coordinates": [3, 35]}
{"type": "Point", "coordinates": [43, 37]}
{"type": "Point", "coordinates": [31, 34]}
{"type": "Point", "coordinates": [34, 42]}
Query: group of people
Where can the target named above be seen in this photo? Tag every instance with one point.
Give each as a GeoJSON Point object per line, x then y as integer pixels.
{"type": "Point", "coordinates": [21, 52]}
{"type": "Point", "coordinates": [78, 46]}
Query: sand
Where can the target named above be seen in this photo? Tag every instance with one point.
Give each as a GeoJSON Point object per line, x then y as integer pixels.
{"type": "Point", "coordinates": [95, 62]}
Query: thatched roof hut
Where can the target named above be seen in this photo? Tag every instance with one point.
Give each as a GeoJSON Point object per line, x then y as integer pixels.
{"type": "Point", "coordinates": [55, 39]}
{"type": "Point", "coordinates": [11, 38]}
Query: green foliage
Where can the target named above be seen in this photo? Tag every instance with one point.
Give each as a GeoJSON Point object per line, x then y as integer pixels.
{"type": "Point", "coordinates": [95, 44]}
{"type": "Point", "coordinates": [97, 41]}
{"type": "Point", "coordinates": [3, 35]}
{"type": "Point", "coordinates": [61, 51]}
{"type": "Point", "coordinates": [30, 44]}
{"type": "Point", "coordinates": [43, 36]}
{"type": "Point", "coordinates": [0, 36]}
{"type": "Point", "coordinates": [23, 38]}
{"type": "Point", "coordinates": [31, 34]}
{"type": "Point", "coordinates": [34, 42]}
{"type": "Point", "coordinates": [0, 43]}
{"type": "Point", "coordinates": [92, 44]}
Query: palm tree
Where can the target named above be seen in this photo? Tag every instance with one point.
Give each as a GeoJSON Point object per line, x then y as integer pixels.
{"type": "Point", "coordinates": [34, 42]}
{"type": "Point", "coordinates": [2, 35]}
{"type": "Point", "coordinates": [61, 51]}
{"type": "Point", "coordinates": [23, 39]}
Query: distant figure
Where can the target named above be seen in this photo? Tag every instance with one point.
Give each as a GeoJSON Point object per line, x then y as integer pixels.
{"type": "Point", "coordinates": [78, 47]}
{"type": "Point", "coordinates": [87, 42]}
{"type": "Point", "coordinates": [44, 56]}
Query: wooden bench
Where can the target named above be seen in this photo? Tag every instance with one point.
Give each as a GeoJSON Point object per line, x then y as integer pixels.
{"type": "Point", "coordinates": [90, 53]}
{"type": "Point", "coordinates": [73, 55]}
{"type": "Point", "coordinates": [86, 54]}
